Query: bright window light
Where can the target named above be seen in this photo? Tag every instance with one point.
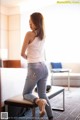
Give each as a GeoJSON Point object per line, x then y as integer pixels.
{"type": "Point", "coordinates": [62, 28]}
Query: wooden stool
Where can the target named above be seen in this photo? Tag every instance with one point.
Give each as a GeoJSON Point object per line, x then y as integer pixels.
{"type": "Point", "coordinates": [20, 102]}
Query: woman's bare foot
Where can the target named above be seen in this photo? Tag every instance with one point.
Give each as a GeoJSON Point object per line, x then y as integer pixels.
{"type": "Point", "coordinates": [41, 103]}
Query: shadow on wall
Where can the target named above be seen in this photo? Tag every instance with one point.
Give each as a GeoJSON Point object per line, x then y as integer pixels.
{"type": "Point", "coordinates": [0, 62]}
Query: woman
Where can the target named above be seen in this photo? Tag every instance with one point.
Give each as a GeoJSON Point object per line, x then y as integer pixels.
{"type": "Point", "coordinates": [37, 70]}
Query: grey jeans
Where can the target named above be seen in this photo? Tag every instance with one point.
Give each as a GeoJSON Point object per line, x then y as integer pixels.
{"type": "Point", "coordinates": [37, 75]}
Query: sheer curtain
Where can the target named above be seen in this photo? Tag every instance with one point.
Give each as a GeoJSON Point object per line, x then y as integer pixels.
{"type": "Point", "coordinates": [62, 25]}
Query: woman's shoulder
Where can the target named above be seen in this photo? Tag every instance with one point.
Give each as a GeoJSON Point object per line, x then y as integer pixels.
{"type": "Point", "coordinates": [30, 34]}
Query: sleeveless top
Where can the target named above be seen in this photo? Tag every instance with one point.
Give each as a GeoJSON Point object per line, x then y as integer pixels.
{"type": "Point", "coordinates": [35, 51]}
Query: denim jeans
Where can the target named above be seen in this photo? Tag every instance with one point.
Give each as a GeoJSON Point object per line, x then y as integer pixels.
{"type": "Point", "coordinates": [37, 75]}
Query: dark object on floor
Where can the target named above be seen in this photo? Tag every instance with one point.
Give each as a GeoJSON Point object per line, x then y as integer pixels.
{"type": "Point", "coordinates": [48, 88]}
{"type": "Point", "coordinates": [16, 112]}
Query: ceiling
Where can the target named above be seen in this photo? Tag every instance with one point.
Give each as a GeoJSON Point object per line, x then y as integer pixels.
{"type": "Point", "coordinates": [14, 3]}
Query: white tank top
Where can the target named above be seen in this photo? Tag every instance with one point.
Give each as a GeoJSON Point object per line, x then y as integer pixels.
{"type": "Point", "coordinates": [35, 51]}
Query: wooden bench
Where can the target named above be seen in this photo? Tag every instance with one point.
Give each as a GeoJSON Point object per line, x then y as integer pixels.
{"type": "Point", "coordinates": [19, 101]}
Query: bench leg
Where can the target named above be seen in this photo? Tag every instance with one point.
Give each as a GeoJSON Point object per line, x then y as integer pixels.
{"type": "Point", "coordinates": [63, 108]}
{"type": "Point", "coordinates": [63, 100]}
{"type": "Point", "coordinates": [33, 113]}
{"type": "Point", "coordinates": [68, 81]}
{"type": "Point", "coordinates": [6, 108]}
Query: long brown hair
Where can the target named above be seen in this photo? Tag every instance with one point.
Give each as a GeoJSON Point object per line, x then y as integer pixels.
{"type": "Point", "coordinates": [37, 19]}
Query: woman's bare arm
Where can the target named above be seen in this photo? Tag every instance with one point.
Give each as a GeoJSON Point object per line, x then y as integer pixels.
{"type": "Point", "coordinates": [25, 44]}
{"type": "Point", "coordinates": [29, 37]}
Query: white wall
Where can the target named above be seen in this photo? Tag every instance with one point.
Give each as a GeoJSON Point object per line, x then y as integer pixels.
{"type": "Point", "coordinates": [14, 36]}
{"type": "Point", "coordinates": [10, 33]}
{"type": "Point", "coordinates": [3, 33]}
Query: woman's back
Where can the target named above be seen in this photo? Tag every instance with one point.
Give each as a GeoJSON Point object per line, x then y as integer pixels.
{"type": "Point", "coordinates": [35, 51]}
